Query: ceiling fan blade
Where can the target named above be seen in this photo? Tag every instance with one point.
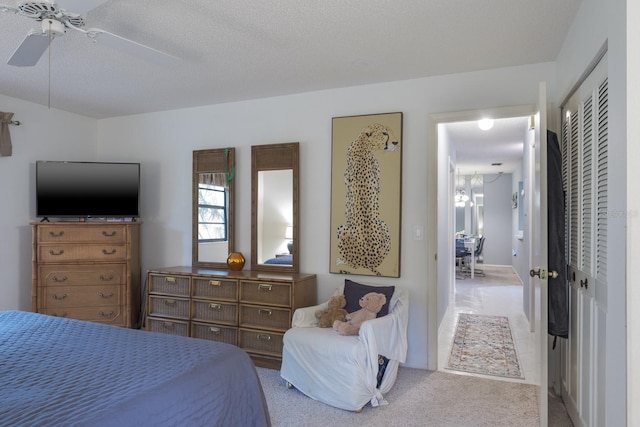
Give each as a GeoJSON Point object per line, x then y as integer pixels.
{"type": "Point", "coordinates": [81, 7]}
{"type": "Point", "coordinates": [130, 47]}
{"type": "Point", "coordinates": [30, 50]}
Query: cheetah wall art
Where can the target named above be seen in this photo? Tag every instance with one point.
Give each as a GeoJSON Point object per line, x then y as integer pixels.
{"type": "Point", "coordinates": [366, 183]}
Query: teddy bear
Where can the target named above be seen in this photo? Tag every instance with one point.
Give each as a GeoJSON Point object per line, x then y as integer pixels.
{"type": "Point", "coordinates": [335, 311]}
{"type": "Point", "coordinates": [371, 304]}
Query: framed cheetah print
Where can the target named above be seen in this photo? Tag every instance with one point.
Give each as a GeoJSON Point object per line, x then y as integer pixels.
{"type": "Point", "coordinates": [366, 194]}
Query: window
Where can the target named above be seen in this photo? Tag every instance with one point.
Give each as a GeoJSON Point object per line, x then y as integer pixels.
{"type": "Point", "coordinates": [212, 213]}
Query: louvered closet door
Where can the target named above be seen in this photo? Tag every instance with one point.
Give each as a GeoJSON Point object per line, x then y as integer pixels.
{"type": "Point", "coordinates": [585, 164]}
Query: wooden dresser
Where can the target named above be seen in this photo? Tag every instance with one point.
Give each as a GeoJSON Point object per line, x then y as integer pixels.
{"type": "Point", "coordinates": [249, 309]}
{"type": "Point", "coordinates": [87, 271]}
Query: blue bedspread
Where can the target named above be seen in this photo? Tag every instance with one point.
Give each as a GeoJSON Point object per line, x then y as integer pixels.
{"type": "Point", "coordinates": [285, 260]}
{"type": "Point", "coordinates": [62, 372]}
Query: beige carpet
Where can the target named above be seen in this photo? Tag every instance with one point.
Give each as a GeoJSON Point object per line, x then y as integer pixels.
{"type": "Point", "coordinates": [419, 398]}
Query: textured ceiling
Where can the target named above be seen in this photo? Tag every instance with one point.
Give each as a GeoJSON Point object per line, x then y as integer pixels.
{"type": "Point", "coordinates": [233, 50]}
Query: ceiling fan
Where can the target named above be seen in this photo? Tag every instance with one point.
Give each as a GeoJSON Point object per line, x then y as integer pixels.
{"type": "Point", "coordinates": [55, 22]}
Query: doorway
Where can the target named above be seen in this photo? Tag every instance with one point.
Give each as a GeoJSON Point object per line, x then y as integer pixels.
{"type": "Point", "coordinates": [500, 292]}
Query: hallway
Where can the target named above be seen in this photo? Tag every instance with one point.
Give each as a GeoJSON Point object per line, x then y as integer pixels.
{"type": "Point", "coordinates": [499, 293]}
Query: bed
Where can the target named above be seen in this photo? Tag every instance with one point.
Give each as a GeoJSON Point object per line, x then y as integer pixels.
{"type": "Point", "coordinates": [57, 371]}
{"type": "Point", "coordinates": [281, 260]}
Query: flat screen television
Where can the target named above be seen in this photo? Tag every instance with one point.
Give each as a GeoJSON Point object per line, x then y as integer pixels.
{"type": "Point", "coordinates": [87, 189]}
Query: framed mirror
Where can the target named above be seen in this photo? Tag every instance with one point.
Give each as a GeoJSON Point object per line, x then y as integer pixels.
{"type": "Point", "coordinates": [213, 199]}
{"type": "Point", "coordinates": [274, 207]}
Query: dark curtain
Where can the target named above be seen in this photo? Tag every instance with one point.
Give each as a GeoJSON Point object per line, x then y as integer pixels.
{"type": "Point", "coordinates": [558, 287]}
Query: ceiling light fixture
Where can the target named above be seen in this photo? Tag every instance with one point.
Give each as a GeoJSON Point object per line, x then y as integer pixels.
{"type": "Point", "coordinates": [485, 124]}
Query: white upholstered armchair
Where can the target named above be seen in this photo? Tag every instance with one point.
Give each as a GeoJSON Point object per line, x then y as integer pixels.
{"type": "Point", "coordinates": [343, 371]}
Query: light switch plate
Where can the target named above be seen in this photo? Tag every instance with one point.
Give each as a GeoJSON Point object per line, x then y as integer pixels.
{"type": "Point", "coordinates": [418, 232]}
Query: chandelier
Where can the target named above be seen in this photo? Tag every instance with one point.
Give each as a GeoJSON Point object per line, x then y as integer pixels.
{"type": "Point", "coordinates": [461, 198]}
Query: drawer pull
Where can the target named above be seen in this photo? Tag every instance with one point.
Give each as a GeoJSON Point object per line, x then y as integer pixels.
{"type": "Point", "coordinates": [168, 325]}
{"type": "Point", "coordinates": [61, 297]}
{"type": "Point", "coordinates": [169, 302]}
{"type": "Point", "coordinates": [170, 279]}
{"type": "Point", "coordinates": [52, 252]}
{"type": "Point", "coordinates": [264, 287]}
{"type": "Point", "coordinates": [105, 296]}
{"type": "Point", "coordinates": [214, 282]}
{"type": "Point", "coordinates": [215, 306]}
{"type": "Point", "coordinates": [64, 314]}
{"type": "Point", "coordinates": [103, 314]}
{"type": "Point", "coordinates": [264, 337]}
{"type": "Point", "coordinates": [214, 330]}
{"type": "Point", "coordinates": [54, 234]}
{"type": "Point", "coordinates": [264, 312]}
{"type": "Point", "coordinates": [106, 279]}
{"type": "Point", "coordinates": [62, 279]}
{"type": "Point", "coordinates": [106, 252]}
{"type": "Point", "coordinates": [112, 234]}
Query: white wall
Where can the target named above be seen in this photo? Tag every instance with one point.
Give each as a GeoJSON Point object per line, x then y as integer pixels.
{"type": "Point", "coordinates": [519, 256]}
{"type": "Point", "coordinates": [45, 134]}
{"type": "Point", "coordinates": [497, 219]}
{"type": "Point", "coordinates": [521, 261]}
{"type": "Point", "coordinates": [163, 143]}
{"type": "Point", "coordinates": [446, 275]}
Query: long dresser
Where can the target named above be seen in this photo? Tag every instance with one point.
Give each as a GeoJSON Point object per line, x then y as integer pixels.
{"type": "Point", "coordinates": [249, 309]}
{"type": "Point", "coordinates": [87, 271]}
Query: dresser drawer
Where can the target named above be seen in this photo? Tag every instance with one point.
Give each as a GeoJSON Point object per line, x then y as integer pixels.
{"type": "Point", "coordinates": [217, 289]}
{"type": "Point", "coordinates": [81, 275]}
{"type": "Point", "coordinates": [169, 284]}
{"type": "Point", "coordinates": [267, 343]}
{"type": "Point", "coordinates": [78, 253]}
{"type": "Point", "coordinates": [177, 308]}
{"type": "Point", "coordinates": [265, 317]}
{"type": "Point", "coordinates": [107, 314]}
{"type": "Point", "coordinates": [79, 296]}
{"type": "Point", "coordinates": [264, 292]}
{"type": "Point", "coordinates": [166, 326]}
{"type": "Point", "coordinates": [82, 234]}
{"type": "Point", "coordinates": [210, 311]}
{"type": "Point", "coordinates": [218, 333]}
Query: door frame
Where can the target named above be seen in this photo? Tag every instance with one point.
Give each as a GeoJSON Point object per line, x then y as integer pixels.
{"type": "Point", "coordinates": [433, 176]}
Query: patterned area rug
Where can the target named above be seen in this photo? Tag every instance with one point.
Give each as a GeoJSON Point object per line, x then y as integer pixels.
{"type": "Point", "coordinates": [484, 345]}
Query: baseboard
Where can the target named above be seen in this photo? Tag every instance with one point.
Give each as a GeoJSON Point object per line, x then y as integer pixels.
{"type": "Point", "coordinates": [571, 406]}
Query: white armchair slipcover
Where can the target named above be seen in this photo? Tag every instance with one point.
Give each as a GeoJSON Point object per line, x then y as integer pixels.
{"type": "Point", "coordinates": [342, 371]}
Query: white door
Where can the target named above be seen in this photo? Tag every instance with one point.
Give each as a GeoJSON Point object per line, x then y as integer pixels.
{"type": "Point", "coordinates": [585, 141]}
{"type": "Point", "coordinates": [539, 251]}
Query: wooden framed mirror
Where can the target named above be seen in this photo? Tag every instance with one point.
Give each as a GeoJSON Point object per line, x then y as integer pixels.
{"type": "Point", "coordinates": [274, 207]}
{"type": "Point", "coordinates": [213, 207]}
